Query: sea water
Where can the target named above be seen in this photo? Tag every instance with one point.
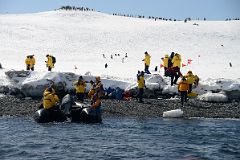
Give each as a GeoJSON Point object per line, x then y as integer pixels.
{"type": "Point", "coordinates": [120, 138]}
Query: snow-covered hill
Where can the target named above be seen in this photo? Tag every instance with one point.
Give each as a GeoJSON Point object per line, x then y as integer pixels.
{"type": "Point", "coordinates": [79, 40]}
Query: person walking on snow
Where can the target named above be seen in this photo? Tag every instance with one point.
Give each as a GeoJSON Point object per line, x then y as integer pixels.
{"type": "Point", "coordinates": [147, 61]}
{"type": "Point", "coordinates": [30, 62]}
{"type": "Point", "coordinates": [50, 62]}
{"type": "Point", "coordinates": [141, 85]}
{"type": "Point", "coordinates": [183, 90]}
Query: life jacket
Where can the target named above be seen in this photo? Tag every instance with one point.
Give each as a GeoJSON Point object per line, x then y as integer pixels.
{"type": "Point", "coordinates": [147, 59]}
{"type": "Point", "coordinates": [176, 61]}
{"type": "Point", "coordinates": [50, 62]}
{"type": "Point", "coordinates": [183, 86]}
{"type": "Point", "coordinates": [141, 82]}
{"type": "Point", "coordinates": [190, 78]}
{"type": "Point", "coordinates": [165, 62]}
{"type": "Point", "coordinates": [49, 99]}
{"type": "Point", "coordinates": [80, 86]}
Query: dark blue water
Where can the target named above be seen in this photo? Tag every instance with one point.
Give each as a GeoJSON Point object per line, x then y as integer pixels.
{"type": "Point", "coordinates": [22, 138]}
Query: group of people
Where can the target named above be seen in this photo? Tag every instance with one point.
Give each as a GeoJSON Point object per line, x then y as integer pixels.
{"type": "Point", "coordinates": [30, 62]}
{"type": "Point", "coordinates": [172, 65]}
{"type": "Point", "coordinates": [51, 99]}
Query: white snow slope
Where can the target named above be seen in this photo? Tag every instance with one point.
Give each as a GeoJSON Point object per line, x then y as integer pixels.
{"type": "Point", "coordinates": [78, 39]}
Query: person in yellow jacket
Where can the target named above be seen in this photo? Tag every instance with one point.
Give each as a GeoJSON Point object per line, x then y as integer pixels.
{"type": "Point", "coordinates": [80, 87]}
{"type": "Point", "coordinates": [147, 60]}
{"type": "Point", "coordinates": [27, 62]}
{"type": "Point", "coordinates": [50, 99]}
{"type": "Point", "coordinates": [141, 85]}
{"type": "Point", "coordinates": [190, 79]}
{"type": "Point", "coordinates": [49, 62]}
{"type": "Point", "coordinates": [176, 62]}
{"type": "Point", "coordinates": [183, 90]}
{"type": "Point", "coordinates": [30, 62]}
{"type": "Point", "coordinates": [165, 64]}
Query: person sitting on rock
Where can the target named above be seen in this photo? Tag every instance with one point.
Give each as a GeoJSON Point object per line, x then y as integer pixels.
{"type": "Point", "coordinates": [80, 87]}
{"type": "Point", "coordinates": [50, 99]}
{"type": "Point", "coordinates": [183, 90]}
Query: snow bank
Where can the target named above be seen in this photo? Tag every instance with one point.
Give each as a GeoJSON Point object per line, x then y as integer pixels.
{"type": "Point", "coordinates": [213, 97]}
{"type": "Point", "coordinates": [169, 90]}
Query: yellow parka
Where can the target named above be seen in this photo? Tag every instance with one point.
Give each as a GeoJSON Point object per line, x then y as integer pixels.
{"type": "Point", "coordinates": [30, 61]}
{"type": "Point", "coordinates": [27, 61]}
{"type": "Point", "coordinates": [183, 85]}
{"type": "Point", "coordinates": [49, 61]}
{"type": "Point", "coordinates": [147, 59]}
{"type": "Point", "coordinates": [141, 82]}
{"type": "Point", "coordinates": [50, 99]}
{"type": "Point", "coordinates": [177, 60]}
{"type": "Point", "coordinates": [190, 78]}
{"type": "Point", "coordinates": [165, 61]}
{"type": "Point", "coordinates": [80, 86]}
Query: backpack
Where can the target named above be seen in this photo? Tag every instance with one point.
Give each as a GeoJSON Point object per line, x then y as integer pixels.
{"type": "Point", "coordinates": [53, 59]}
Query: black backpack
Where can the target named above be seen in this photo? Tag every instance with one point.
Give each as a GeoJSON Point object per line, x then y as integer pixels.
{"type": "Point", "coordinates": [53, 59]}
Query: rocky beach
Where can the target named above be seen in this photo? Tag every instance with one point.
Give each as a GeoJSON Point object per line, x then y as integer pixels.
{"type": "Point", "coordinates": [151, 108]}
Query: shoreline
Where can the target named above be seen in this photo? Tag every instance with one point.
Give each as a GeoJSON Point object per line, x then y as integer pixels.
{"type": "Point", "coordinates": [151, 108]}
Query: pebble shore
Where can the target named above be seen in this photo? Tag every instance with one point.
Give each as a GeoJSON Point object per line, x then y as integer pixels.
{"type": "Point", "coordinates": [151, 108]}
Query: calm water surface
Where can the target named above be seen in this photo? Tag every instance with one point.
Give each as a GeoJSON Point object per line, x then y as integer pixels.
{"type": "Point", "coordinates": [22, 138]}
